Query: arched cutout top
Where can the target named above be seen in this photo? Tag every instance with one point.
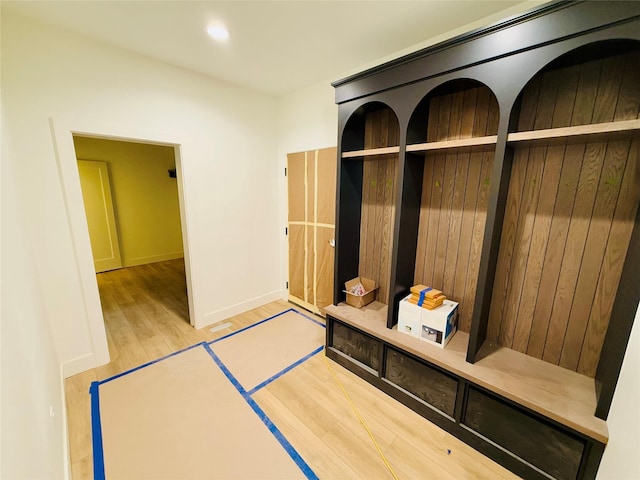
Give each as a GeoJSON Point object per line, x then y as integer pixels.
{"type": "Point", "coordinates": [458, 113]}
{"type": "Point", "coordinates": [372, 128]}
{"type": "Point", "coordinates": [592, 90]}
{"type": "Point", "coordinates": [566, 176]}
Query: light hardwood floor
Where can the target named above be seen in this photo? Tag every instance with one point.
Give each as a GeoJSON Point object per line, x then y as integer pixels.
{"type": "Point", "coordinates": [146, 317]}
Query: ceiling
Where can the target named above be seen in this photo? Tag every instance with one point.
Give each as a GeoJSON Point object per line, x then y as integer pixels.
{"type": "Point", "coordinates": [275, 47]}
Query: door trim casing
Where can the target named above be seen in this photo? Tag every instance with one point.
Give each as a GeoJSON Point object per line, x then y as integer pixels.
{"type": "Point", "coordinates": [62, 131]}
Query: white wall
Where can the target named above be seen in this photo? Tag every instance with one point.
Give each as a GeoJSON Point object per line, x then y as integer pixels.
{"type": "Point", "coordinates": [227, 152]}
{"type": "Point", "coordinates": [31, 440]}
{"type": "Point", "coordinates": [228, 168]}
{"type": "Point", "coordinates": [620, 460]}
{"type": "Point", "coordinates": [308, 120]}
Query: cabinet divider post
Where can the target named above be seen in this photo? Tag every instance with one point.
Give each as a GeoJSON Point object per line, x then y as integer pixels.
{"type": "Point", "coordinates": [382, 369]}
{"type": "Point", "coordinates": [460, 397]}
{"type": "Point", "coordinates": [500, 177]}
{"type": "Point", "coordinates": [410, 173]}
{"type": "Point", "coordinates": [591, 460]}
{"type": "Point", "coordinates": [619, 330]}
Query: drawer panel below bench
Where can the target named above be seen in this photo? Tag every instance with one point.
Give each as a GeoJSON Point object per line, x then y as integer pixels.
{"type": "Point", "coordinates": [427, 383]}
{"type": "Point", "coordinates": [356, 345]}
{"type": "Point", "coordinates": [549, 448]}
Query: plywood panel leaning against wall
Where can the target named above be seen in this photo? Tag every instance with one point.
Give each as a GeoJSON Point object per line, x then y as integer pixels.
{"type": "Point", "coordinates": [311, 180]}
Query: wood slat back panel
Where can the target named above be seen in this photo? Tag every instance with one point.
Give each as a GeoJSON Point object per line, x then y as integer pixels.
{"type": "Point", "coordinates": [454, 195]}
{"type": "Point", "coordinates": [379, 186]}
{"type": "Point", "coordinates": [569, 216]}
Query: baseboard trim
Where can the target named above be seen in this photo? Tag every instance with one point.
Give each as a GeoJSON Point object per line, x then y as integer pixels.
{"type": "Point", "coordinates": [224, 313]}
{"type": "Point", "coordinates": [132, 262]}
{"type": "Point", "coordinates": [305, 305]}
{"type": "Point", "coordinates": [78, 365]}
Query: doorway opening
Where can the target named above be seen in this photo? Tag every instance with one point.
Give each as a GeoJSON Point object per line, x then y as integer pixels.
{"type": "Point", "coordinates": [132, 208]}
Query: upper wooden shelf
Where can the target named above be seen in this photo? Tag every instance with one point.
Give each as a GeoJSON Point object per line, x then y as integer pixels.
{"type": "Point", "coordinates": [370, 152]}
{"type": "Point", "coordinates": [580, 132]}
{"type": "Point", "coordinates": [449, 145]}
{"type": "Point", "coordinates": [560, 394]}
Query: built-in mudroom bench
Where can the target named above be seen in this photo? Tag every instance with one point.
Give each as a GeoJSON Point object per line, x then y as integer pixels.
{"type": "Point", "coordinates": [500, 167]}
{"type": "Point", "coordinates": [517, 409]}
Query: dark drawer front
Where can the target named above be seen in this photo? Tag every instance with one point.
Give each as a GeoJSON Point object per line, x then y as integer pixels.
{"type": "Point", "coordinates": [426, 383]}
{"type": "Point", "coordinates": [551, 449]}
{"type": "Point", "coordinates": [356, 345]}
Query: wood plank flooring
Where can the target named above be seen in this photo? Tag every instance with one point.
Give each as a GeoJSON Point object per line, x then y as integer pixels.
{"type": "Point", "coordinates": [145, 310]}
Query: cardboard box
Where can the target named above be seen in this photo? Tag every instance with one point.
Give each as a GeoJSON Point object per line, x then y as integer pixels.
{"type": "Point", "coordinates": [409, 317]}
{"type": "Point", "coordinates": [438, 325]}
{"type": "Point", "coordinates": [360, 301]}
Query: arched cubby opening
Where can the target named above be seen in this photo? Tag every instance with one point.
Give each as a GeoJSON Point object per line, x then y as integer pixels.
{"type": "Point", "coordinates": [454, 130]}
{"type": "Point", "coordinates": [369, 160]}
{"type": "Point", "coordinates": [571, 206]}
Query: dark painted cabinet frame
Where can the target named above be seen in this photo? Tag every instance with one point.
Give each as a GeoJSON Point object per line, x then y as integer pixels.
{"type": "Point", "coordinates": [367, 357]}
{"type": "Point", "coordinates": [504, 57]}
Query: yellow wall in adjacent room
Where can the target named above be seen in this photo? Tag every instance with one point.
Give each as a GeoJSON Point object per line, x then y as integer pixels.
{"type": "Point", "coordinates": [145, 197]}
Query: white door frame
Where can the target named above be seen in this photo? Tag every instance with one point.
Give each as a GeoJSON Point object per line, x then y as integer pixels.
{"type": "Point", "coordinates": [62, 130]}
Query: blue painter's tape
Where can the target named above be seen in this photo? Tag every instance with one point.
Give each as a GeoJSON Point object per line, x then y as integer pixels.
{"type": "Point", "coordinates": [422, 294]}
{"type": "Point", "coordinates": [234, 381]}
{"type": "Point", "coordinates": [282, 372]}
{"type": "Point", "coordinates": [96, 433]}
{"type": "Point", "coordinates": [295, 456]}
{"type": "Point", "coordinates": [266, 320]}
{"type": "Point", "coordinates": [310, 318]}
{"type": "Point", "coordinates": [150, 363]}
{"type": "Point", "coordinates": [96, 426]}
{"type": "Point", "coordinates": [251, 326]}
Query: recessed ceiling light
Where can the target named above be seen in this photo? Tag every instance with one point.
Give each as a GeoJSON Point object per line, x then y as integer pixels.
{"type": "Point", "coordinates": [218, 32]}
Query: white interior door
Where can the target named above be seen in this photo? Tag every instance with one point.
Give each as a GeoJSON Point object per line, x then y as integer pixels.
{"type": "Point", "coordinates": [98, 206]}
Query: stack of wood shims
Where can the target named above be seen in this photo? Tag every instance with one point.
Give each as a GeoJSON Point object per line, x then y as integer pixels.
{"type": "Point", "coordinates": [426, 297]}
